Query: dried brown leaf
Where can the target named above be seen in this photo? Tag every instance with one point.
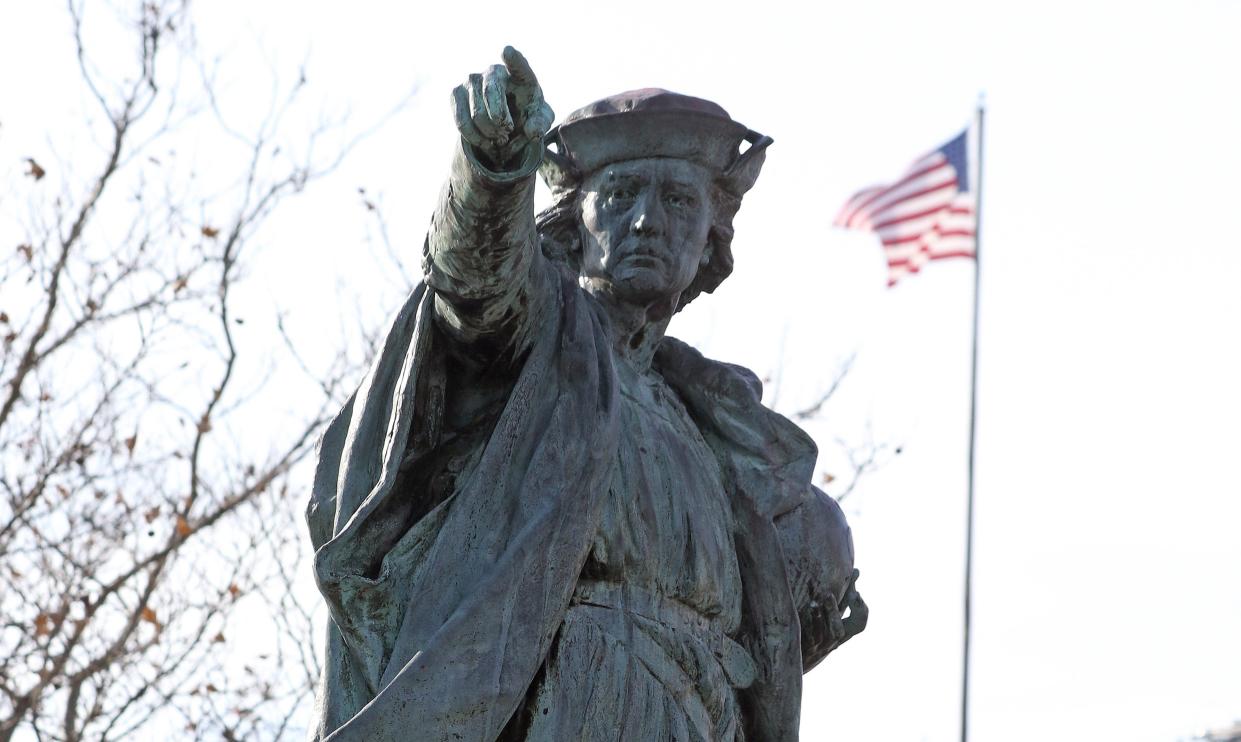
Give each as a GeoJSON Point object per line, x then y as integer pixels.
{"type": "Point", "coordinates": [204, 425]}
{"type": "Point", "coordinates": [148, 614]}
{"type": "Point", "coordinates": [233, 590]}
{"type": "Point", "coordinates": [42, 624]}
{"type": "Point", "coordinates": [150, 515]}
{"type": "Point", "coordinates": [210, 232]}
{"type": "Point", "coordinates": [183, 527]}
{"type": "Point", "coordinates": [130, 442]}
{"type": "Point", "coordinates": [34, 170]}
{"type": "Point", "coordinates": [27, 251]}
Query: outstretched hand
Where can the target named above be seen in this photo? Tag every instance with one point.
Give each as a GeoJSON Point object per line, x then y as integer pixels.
{"type": "Point", "coordinates": [502, 111]}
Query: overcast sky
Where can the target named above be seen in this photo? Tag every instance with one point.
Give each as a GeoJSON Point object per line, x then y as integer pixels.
{"type": "Point", "coordinates": [1108, 551]}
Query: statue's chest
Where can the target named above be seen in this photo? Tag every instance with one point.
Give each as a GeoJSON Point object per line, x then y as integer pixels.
{"type": "Point", "coordinates": [666, 523]}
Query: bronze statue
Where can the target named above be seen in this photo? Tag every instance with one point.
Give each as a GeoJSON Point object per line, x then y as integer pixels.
{"type": "Point", "coordinates": [539, 518]}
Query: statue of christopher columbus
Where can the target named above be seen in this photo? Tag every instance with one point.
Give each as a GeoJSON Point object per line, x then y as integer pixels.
{"type": "Point", "coordinates": [541, 518]}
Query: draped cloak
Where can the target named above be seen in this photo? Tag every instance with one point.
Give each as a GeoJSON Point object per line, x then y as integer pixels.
{"type": "Point", "coordinates": [443, 641]}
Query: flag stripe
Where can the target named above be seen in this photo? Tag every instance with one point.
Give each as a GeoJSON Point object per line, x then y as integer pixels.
{"type": "Point", "coordinates": [932, 245]}
{"type": "Point", "coordinates": [932, 201]}
{"type": "Point", "coordinates": [941, 206]}
{"type": "Point", "coordinates": [866, 198]}
{"type": "Point", "coordinates": [929, 183]}
{"type": "Point", "coordinates": [907, 262]}
{"type": "Point", "coordinates": [910, 247]}
{"type": "Point", "coordinates": [909, 229]}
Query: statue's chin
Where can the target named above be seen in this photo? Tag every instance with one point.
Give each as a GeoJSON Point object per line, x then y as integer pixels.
{"type": "Point", "coordinates": [633, 285]}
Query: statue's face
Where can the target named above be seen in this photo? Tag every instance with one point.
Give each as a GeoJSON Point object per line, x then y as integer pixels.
{"type": "Point", "coordinates": [646, 226]}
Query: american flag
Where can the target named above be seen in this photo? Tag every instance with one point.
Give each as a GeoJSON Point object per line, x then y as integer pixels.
{"type": "Point", "coordinates": [927, 215]}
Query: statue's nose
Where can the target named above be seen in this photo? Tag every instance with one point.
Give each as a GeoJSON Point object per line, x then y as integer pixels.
{"type": "Point", "coordinates": [648, 215]}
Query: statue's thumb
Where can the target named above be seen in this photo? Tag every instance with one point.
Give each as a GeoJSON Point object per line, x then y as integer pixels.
{"type": "Point", "coordinates": [539, 121]}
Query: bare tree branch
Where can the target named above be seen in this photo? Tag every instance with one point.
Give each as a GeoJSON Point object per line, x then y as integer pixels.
{"type": "Point", "coordinates": [135, 514]}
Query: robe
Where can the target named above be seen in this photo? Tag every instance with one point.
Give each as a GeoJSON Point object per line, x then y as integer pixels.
{"type": "Point", "coordinates": [443, 613]}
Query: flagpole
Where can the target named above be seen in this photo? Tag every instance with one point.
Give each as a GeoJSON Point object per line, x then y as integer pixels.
{"type": "Point", "coordinates": [969, 507]}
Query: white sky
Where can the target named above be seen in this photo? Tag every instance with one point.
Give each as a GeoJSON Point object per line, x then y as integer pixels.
{"type": "Point", "coordinates": [1108, 551]}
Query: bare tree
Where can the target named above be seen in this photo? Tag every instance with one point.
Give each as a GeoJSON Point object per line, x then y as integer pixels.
{"type": "Point", "coordinates": [136, 514]}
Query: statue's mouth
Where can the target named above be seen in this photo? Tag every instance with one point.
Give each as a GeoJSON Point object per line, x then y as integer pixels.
{"type": "Point", "coordinates": [642, 252]}
{"type": "Point", "coordinates": [643, 259]}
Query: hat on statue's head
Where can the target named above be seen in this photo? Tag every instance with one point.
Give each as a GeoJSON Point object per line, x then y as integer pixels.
{"type": "Point", "coordinates": [652, 123]}
{"type": "Point", "coordinates": [642, 124]}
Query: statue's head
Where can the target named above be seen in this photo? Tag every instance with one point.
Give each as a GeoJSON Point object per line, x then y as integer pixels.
{"type": "Point", "coordinates": [646, 184]}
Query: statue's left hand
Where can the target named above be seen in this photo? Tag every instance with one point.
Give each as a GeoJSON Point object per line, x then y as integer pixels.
{"type": "Point", "coordinates": [854, 623]}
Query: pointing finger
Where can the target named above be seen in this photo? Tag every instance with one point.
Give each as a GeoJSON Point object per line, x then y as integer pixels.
{"type": "Point", "coordinates": [518, 67]}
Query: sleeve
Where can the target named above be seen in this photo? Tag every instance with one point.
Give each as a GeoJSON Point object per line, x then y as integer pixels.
{"type": "Point", "coordinates": [481, 257]}
{"type": "Point", "coordinates": [818, 553]}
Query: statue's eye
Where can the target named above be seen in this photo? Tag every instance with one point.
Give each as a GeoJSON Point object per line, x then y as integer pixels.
{"type": "Point", "coordinates": [678, 201]}
{"type": "Point", "coordinates": [622, 194]}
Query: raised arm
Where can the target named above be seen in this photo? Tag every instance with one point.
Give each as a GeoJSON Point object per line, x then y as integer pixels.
{"type": "Point", "coordinates": [481, 252]}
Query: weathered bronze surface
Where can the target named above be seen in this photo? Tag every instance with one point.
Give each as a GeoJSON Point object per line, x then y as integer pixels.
{"type": "Point", "coordinates": [540, 518]}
